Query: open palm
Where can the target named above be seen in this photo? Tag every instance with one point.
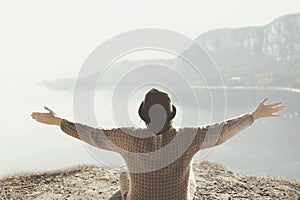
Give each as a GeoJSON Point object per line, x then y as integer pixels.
{"type": "Point", "coordinates": [47, 117]}
{"type": "Point", "coordinates": [267, 110]}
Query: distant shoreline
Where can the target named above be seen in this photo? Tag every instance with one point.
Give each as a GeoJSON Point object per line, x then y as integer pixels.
{"type": "Point", "coordinates": [249, 87]}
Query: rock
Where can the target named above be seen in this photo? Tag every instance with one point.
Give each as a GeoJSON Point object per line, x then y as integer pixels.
{"type": "Point", "coordinates": [98, 182]}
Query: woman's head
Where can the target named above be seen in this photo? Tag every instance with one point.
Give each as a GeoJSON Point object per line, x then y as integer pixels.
{"type": "Point", "coordinates": [157, 111]}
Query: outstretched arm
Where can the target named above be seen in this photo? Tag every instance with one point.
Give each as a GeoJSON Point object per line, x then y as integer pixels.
{"type": "Point", "coordinates": [218, 133]}
{"type": "Point", "coordinates": [101, 138]}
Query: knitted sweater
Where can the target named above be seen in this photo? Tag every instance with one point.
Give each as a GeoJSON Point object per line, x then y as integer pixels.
{"type": "Point", "coordinates": [155, 177]}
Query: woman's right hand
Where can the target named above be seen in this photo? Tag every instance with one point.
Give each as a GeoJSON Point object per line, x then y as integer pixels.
{"type": "Point", "coordinates": [46, 118]}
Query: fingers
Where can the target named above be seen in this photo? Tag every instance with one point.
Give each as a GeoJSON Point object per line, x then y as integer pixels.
{"type": "Point", "coordinates": [275, 104]}
{"type": "Point", "coordinates": [278, 108]}
{"type": "Point", "coordinates": [34, 114]}
{"type": "Point", "coordinates": [39, 119]}
{"type": "Point", "coordinates": [275, 115]}
{"type": "Point", "coordinates": [264, 100]}
{"type": "Point", "coordinates": [51, 111]}
{"type": "Point", "coordinates": [38, 115]}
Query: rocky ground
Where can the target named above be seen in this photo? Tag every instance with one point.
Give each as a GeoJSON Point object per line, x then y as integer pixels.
{"type": "Point", "coordinates": [98, 182]}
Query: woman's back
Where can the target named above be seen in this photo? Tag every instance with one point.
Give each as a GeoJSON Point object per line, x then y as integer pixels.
{"type": "Point", "coordinates": [158, 158]}
{"type": "Point", "coordinates": [170, 182]}
{"type": "Point", "coordinates": [152, 177]}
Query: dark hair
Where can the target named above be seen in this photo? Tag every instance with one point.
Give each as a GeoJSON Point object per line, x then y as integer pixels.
{"type": "Point", "coordinates": [157, 110]}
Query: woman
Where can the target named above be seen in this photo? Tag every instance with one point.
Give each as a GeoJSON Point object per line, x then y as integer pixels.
{"type": "Point", "coordinates": [163, 181]}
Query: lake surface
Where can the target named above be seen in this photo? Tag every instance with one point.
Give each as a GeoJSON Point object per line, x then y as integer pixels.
{"type": "Point", "coordinates": [269, 147]}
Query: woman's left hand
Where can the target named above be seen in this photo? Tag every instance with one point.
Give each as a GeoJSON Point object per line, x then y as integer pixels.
{"type": "Point", "coordinates": [267, 110]}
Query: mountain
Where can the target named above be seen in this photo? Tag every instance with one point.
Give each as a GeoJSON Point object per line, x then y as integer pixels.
{"type": "Point", "coordinates": [263, 56]}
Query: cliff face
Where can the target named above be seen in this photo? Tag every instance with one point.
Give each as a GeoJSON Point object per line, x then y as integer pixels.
{"type": "Point", "coordinates": [277, 41]}
{"type": "Point", "coordinates": [266, 55]}
{"type": "Point", "coordinates": [97, 182]}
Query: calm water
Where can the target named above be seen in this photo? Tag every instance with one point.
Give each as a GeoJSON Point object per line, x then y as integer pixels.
{"type": "Point", "coordinates": [269, 146]}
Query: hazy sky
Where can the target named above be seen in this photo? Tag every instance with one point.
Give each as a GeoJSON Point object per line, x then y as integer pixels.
{"type": "Point", "coordinates": [48, 39]}
{"type": "Point", "coordinates": [43, 40]}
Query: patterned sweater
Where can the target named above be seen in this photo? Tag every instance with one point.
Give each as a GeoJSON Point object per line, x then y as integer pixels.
{"type": "Point", "coordinates": [159, 166]}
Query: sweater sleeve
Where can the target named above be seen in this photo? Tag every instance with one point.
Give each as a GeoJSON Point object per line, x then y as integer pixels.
{"type": "Point", "coordinates": [215, 134]}
{"type": "Point", "coordinates": [110, 139]}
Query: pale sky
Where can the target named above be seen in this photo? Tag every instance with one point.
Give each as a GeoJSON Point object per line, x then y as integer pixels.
{"type": "Point", "coordinates": [48, 39]}
{"type": "Point", "coordinates": [44, 40]}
